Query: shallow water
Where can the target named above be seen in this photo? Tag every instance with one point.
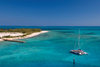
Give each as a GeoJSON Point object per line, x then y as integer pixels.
{"type": "Point", "coordinates": [52, 50]}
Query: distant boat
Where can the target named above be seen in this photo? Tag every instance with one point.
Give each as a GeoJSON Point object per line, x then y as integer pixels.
{"type": "Point", "coordinates": [79, 51]}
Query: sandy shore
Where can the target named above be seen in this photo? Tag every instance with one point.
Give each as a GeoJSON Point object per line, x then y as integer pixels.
{"type": "Point", "coordinates": [27, 36]}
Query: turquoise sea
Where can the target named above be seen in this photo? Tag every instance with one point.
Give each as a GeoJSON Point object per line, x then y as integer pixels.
{"type": "Point", "coordinates": [52, 49]}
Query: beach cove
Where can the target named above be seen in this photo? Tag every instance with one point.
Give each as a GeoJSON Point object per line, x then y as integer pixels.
{"type": "Point", "coordinates": [19, 34]}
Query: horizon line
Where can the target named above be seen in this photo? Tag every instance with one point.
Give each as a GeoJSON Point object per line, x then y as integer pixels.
{"type": "Point", "coordinates": [36, 25]}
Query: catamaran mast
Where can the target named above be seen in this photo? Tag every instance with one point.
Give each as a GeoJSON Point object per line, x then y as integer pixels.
{"type": "Point", "coordinates": [79, 40]}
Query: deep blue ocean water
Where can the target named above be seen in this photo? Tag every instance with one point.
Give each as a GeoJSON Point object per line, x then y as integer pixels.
{"type": "Point", "coordinates": [52, 49]}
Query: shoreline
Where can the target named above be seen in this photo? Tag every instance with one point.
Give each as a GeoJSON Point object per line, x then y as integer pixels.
{"type": "Point", "coordinates": [27, 36]}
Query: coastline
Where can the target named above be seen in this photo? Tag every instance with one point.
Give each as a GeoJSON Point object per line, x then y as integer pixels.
{"type": "Point", "coordinates": [27, 36]}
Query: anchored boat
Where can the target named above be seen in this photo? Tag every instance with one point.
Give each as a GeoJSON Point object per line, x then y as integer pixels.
{"type": "Point", "coordinates": [79, 51]}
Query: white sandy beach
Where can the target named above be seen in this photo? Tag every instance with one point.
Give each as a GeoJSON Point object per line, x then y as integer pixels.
{"type": "Point", "coordinates": [19, 34]}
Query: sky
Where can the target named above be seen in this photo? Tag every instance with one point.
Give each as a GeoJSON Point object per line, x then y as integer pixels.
{"type": "Point", "coordinates": [50, 12]}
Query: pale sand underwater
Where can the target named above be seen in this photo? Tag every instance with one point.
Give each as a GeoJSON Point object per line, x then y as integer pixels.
{"type": "Point", "coordinates": [51, 49]}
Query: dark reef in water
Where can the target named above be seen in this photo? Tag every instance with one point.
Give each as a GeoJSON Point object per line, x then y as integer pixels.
{"type": "Point", "coordinates": [91, 33]}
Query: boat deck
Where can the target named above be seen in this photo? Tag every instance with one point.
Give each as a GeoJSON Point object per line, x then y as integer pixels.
{"type": "Point", "coordinates": [78, 52]}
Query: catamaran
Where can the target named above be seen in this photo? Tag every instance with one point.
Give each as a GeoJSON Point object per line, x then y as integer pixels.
{"type": "Point", "coordinates": [79, 51]}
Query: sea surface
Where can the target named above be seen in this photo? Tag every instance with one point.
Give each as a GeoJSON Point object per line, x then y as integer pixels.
{"type": "Point", "coordinates": [52, 49]}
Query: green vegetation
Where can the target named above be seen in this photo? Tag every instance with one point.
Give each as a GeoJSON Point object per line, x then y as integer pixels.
{"type": "Point", "coordinates": [22, 30]}
{"type": "Point", "coordinates": [7, 36]}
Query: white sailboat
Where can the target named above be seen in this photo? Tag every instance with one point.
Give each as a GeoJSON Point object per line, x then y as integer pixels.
{"type": "Point", "coordinates": [79, 51]}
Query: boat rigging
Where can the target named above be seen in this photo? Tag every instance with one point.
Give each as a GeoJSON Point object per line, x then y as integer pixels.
{"type": "Point", "coordinates": [78, 51]}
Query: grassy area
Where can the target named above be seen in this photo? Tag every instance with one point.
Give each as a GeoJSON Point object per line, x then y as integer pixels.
{"type": "Point", "coordinates": [23, 30]}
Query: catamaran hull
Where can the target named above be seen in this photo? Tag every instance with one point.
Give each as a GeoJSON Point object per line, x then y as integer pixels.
{"type": "Point", "coordinates": [77, 52]}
